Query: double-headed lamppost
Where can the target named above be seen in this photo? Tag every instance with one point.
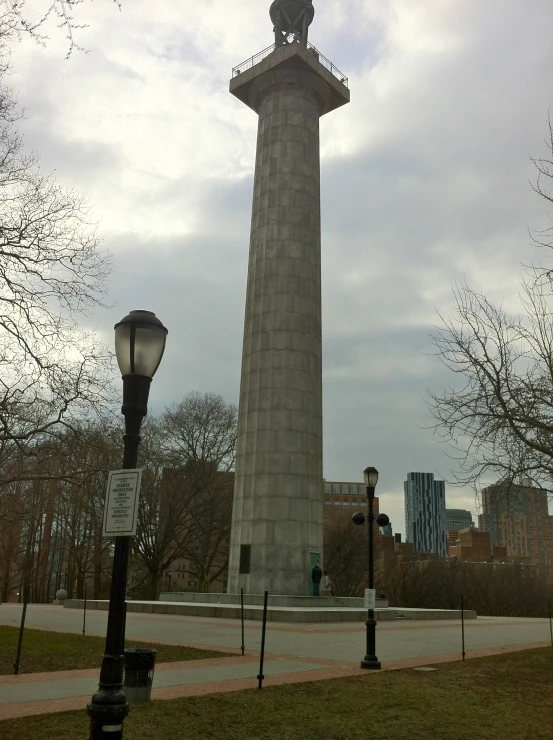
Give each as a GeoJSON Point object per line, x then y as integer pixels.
{"type": "Point", "coordinates": [139, 345]}
{"type": "Point", "coordinates": [370, 476]}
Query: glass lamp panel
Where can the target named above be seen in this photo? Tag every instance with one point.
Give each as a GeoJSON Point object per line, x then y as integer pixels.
{"type": "Point", "coordinates": [149, 345]}
{"type": "Point", "coordinates": [370, 476]}
{"type": "Point", "coordinates": [123, 348]}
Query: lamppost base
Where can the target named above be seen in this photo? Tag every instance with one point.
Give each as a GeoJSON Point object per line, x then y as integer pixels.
{"type": "Point", "coordinates": [106, 720]}
{"type": "Point", "coordinates": [371, 663]}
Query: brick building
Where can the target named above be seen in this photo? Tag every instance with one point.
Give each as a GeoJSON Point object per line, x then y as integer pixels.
{"type": "Point", "coordinates": [183, 578]}
{"type": "Point", "coordinates": [517, 519]}
{"type": "Point", "coordinates": [471, 545]}
{"type": "Point", "coordinates": [345, 496]}
{"type": "Point", "coordinates": [451, 537]}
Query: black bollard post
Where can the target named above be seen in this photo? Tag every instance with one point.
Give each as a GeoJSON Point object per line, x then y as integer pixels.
{"type": "Point", "coordinates": [463, 624]}
{"type": "Point", "coordinates": [242, 617]}
{"type": "Point", "coordinates": [21, 629]}
{"type": "Point", "coordinates": [550, 623]}
{"type": "Point", "coordinates": [260, 675]}
{"type": "Point", "coordinates": [84, 611]}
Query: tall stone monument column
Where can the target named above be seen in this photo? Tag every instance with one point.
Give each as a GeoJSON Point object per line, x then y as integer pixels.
{"type": "Point", "coordinates": [277, 513]}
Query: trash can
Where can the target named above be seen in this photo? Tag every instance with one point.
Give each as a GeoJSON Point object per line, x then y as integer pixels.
{"type": "Point", "coordinates": [139, 674]}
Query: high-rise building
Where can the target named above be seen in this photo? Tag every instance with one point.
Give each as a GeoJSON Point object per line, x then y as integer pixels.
{"type": "Point", "coordinates": [425, 517]}
{"type": "Point", "coordinates": [277, 519]}
{"type": "Point", "coordinates": [457, 519]}
{"type": "Point", "coordinates": [517, 518]}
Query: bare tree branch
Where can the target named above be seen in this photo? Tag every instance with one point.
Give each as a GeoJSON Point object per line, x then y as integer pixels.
{"type": "Point", "coordinates": [498, 417]}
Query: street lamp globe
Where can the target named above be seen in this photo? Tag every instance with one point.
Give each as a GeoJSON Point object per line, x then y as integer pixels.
{"type": "Point", "coordinates": [370, 476]}
{"type": "Point", "coordinates": [139, 343]}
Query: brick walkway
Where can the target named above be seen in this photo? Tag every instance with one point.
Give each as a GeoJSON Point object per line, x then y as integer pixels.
{"type": "Point", "coordinates": [34, 684]}
{"type": "Point", "coordinates": [295, 653]}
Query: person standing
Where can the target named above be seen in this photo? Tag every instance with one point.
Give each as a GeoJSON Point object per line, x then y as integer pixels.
{"type": "Point", "coordinates": [327, 584]}
{"type": "Point", "coordinates": [316, 575]}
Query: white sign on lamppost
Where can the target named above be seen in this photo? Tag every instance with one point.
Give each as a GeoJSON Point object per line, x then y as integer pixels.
{"type": "Point", "coordinates": [370, 598]}
{"type": "Point", "coordinates": [121, 506]}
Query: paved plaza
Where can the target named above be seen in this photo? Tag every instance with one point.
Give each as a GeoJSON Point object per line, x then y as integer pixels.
{"type": "Point", "coordinates": [294, 653]}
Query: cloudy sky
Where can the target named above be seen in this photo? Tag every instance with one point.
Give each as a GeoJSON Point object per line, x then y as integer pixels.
{"type": "Point", "coordinates": [424, 182]}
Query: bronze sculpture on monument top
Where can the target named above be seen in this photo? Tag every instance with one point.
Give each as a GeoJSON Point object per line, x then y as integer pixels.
{"type": "Point", "coordinates": [292, 19]}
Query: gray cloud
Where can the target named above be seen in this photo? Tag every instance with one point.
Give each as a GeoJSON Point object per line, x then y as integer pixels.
{"type": "Point", "coordinates": [425, 181]}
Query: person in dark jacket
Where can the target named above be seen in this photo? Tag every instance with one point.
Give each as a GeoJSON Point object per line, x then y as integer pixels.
{"type": "Point", "coordinates": [316, 575]}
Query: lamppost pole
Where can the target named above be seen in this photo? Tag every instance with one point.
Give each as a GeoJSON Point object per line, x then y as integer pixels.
{"type": "Point", "coordinates": [139, 345]}
{"type": "Point", "coordinates": [370, 661]}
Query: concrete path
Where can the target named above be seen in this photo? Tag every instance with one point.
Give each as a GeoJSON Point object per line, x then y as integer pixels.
{"type": "Point", "coordinates": [294, 652]}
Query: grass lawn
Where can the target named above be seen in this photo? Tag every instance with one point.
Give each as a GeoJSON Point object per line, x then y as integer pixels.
{"type": "Point", "coordinates": [60, 651]}
{"type": "Point", "coordinates": [506, 696]}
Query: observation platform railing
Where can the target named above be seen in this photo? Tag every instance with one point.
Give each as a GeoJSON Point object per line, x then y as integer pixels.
{"type": "Point", "coordinates": [261, 55]}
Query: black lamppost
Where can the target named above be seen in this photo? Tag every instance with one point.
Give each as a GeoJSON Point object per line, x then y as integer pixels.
{"type": "Point", "coordinates": [139, 345]}
{"type": "Point", "coordinates": [169, 574]}
{"type": "Point", "coordinates": [370, 475]}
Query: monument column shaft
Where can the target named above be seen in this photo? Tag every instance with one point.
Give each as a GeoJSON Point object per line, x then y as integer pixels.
{"type": "Point", "coordinates": [278, 498]}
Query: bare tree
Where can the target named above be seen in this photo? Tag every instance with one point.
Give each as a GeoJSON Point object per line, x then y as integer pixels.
{"type": "Point", "coordinates": [491, 588]}
{"type": "Point", "coordinates": [544, 167]}
{"type": "Point", "coordinates": [12, 513]}
{"type": "Point", "coordinates": [53, 373]}
{"type": "Point", "coordinates": [51, 511]}
{"type": "Point", "coordinates": [207, 539]}
{"type": "Point", "coordinates": [199, 436]}
{"type": "Point", "coordinates": [498, 418]}
{"type": "Point", "coordinates": [411, 582]}
{"type": "Point", "coordinates": [345, 548]}
{"type": "Point", "coordinates": [200, 432]}
{"type": "Point", "coordinates": [163, 514]}
{"type": "Point", "coordinates": [17, 18]}
{"type": "Point", "coordinates": [186, 501]}
{"type": "Point", "coordinates": [501, 419]}
{"type": "Point", "coordinates": [52, 269]}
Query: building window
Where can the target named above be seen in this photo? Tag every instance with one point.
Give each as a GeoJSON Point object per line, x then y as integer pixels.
{"type": "Point", "coordinates": [345, 489]}
{"type": "Point", "coordinates": [345, 503]}
{"type": "Point", "coordinates": [328, 488]}
{"type": "Point", "coordinates": [353, 489]}
{"type": "Point", "coordinates": [328, 503]}
{"type": "Point", "coordinates": [336, 503]}
{"type": "Point", "coordinates": [335, 488]}
{"type": "Point", "coordinates": [245, 559]}
{"type": "Point", "coordinates": [363, 503]}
